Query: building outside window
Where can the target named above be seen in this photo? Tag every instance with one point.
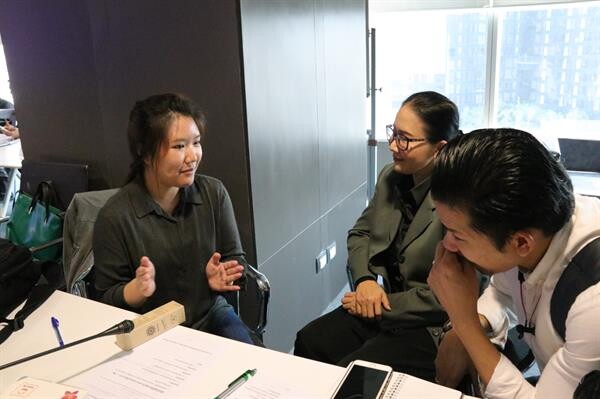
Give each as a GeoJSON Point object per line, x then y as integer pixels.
{"type": "Point", "coordinates": [533, 67]}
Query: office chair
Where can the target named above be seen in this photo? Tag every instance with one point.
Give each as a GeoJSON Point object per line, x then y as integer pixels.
{"type": "Point", "coordinates": [78, 261]}
{"type": "Point", "coordinates": [78, 231]}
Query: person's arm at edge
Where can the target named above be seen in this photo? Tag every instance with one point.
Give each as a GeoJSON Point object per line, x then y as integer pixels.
{"type": "Point", "coordinates": [483, 353]}
{"type": "Point", "coordinates": [456, 286]}
{"type": "Point", "coordinates": [228, 240]}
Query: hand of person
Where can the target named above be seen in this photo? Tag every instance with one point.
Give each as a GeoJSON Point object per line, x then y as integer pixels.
{"type": "Point", "coordinates": [144, 277]}
{"type": "Point", "coordinates": [349, 302]}
{"type": "Point", "coordinates": [222, 275]}
{"type": "Point", "coordinates": [455, 285]}
{"type": "Point", "coordinates": [370, 298]}
{"type": "Point", "coordinates": [142, 285]}
{"type": "Point", "coordinates": [452, 362]}
{"type": "Point", "coordinates": [10, 130]}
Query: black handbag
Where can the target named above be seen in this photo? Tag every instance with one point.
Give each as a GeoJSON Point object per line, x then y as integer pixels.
{"type": "Point", "coordinates": [19, 276]}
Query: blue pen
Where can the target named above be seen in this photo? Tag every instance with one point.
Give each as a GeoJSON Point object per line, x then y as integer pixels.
{"type": "Point", "coordinates": [55, 323]}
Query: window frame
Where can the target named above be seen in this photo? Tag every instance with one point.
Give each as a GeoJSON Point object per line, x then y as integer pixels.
{"type": "Point", "coordinates": [494, 33]}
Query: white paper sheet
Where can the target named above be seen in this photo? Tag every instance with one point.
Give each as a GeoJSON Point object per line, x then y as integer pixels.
{"type": "Point", "coordinates": [162, 367]}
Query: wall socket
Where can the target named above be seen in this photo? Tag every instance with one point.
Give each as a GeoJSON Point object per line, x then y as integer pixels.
{"type": "Point", "coordinates": [325, 257]}
{"type": "Point", "coordinates": [321, 261]}
{"type": "Point", "coordinates": [331, 252]}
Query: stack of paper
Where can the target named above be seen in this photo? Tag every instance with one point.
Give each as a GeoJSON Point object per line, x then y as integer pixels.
{"type": "Point", "coordinates": [32, 388]}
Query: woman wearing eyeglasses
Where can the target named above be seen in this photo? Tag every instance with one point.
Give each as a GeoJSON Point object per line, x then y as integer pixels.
{"type": "Point", "coordinates": [395, 237]}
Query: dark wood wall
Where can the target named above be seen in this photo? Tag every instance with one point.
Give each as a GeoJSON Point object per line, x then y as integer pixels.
{"type": "Point", "coordinates": [76, 68]}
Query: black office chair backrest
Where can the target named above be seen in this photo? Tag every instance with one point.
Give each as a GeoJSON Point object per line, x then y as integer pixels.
{"type": "Point", "coordinates": [66, 178]}
{"type": "Point", "coordinates": [580, 155]}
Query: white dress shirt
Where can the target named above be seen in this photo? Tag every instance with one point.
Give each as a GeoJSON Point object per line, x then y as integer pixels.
{"type": "Point", "coordinates": [563, 364]}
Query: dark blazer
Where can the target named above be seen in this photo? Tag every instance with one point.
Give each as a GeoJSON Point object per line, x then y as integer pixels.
{"type": "Point", "coordinates": [374, 232]}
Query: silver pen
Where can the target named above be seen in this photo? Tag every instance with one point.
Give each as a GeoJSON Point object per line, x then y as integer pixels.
{"type": "Point", "coordinates": [235, 384]}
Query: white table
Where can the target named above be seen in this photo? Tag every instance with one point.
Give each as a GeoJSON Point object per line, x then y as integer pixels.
{"type": "Point", "coordinates": [80, 318]}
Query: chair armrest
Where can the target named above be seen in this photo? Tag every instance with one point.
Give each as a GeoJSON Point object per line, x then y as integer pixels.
{"type": "Point", "coordinates": [263, 293]}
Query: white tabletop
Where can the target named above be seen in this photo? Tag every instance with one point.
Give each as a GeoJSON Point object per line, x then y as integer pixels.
{"type": "Point", "coordinates": [11, 153]}
{"type": "Point", "coordinates": [80, 317]}
{"type": "Point", "coordinates": [215, 363]}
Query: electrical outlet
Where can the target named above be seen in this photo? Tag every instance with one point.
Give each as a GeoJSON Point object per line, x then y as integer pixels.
{"type": "Point", "coordinates": [321, 261]}
{"type": "Point", "coordinates": [331, 252]}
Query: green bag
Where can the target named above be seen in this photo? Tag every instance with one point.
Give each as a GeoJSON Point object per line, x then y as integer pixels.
{"type": "Point", "coordinates": [34, 221]}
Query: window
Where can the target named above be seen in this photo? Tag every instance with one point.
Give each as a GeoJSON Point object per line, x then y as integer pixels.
{"type": "Point", "coordinates": [5, 92]}
{"type": "Point", "coordinates": [533, 67]}
{"type": "Point", "coordinates": [542, 76]}
{"type": "Point", "coordinates": [446, 52]}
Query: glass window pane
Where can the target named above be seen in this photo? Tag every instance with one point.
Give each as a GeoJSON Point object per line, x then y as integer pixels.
{"type": "Point", "coordinates": [549, 72]}
{"type": "Point", "coordinates": [444, 51]}
{"type": "Point", "coordinates": [5, 92]}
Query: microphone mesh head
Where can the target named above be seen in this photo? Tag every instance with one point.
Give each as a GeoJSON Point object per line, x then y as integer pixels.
{"type": "Point", "coordinates": [127, 326]}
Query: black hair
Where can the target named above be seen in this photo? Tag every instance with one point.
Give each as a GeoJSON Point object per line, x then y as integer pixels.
{"type": "Point", "coordinates": [505, 181]}
{"type": "Point", "coordinates": [438, 113]}
{"type": "Point", "coordinates": [589, 387]}
{"type": "Point", "coordinates": [149, 121]}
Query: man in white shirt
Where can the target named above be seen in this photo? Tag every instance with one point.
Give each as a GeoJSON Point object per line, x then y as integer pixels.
{"type": "Point", "coordinates": [509, 208]}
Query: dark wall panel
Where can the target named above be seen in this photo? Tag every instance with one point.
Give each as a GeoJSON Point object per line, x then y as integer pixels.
{"type": "Point", "coordinates": [78, 66]}
{"type": "Point", "coordinates": [292, 300]}
{"type": "Point", "coordinates": [337, 223]}
{"type": "Point", "coordinates": [280, 82]}
{"type": "Point", "coordinates": [342, 90]}
{"type": "Point", "coordinates": [54, 82]}
{"type": "Point", "coordinates": [305, 94]}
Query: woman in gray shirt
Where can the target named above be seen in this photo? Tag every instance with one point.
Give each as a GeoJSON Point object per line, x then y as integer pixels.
{"type": "Point", "coordinates": [170, 234]}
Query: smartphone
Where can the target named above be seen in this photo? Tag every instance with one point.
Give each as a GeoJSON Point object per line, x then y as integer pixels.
{"type": "Point", "coordinates": [363, 380]}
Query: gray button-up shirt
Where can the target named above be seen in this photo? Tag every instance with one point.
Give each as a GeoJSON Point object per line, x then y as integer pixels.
{"type": "Point", "coordinates": [132, 225]}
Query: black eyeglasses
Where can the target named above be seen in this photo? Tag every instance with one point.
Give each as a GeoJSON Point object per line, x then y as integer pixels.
{"type": "Point", "coordinates": [402, 141]}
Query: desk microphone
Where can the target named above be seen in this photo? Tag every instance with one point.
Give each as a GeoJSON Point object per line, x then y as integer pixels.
{"type": "Point", "coordinates": [123, 327]}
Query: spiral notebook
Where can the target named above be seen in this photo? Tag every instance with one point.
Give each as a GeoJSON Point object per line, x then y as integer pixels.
{"type": "Point", "coordinates": [403, 386]}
